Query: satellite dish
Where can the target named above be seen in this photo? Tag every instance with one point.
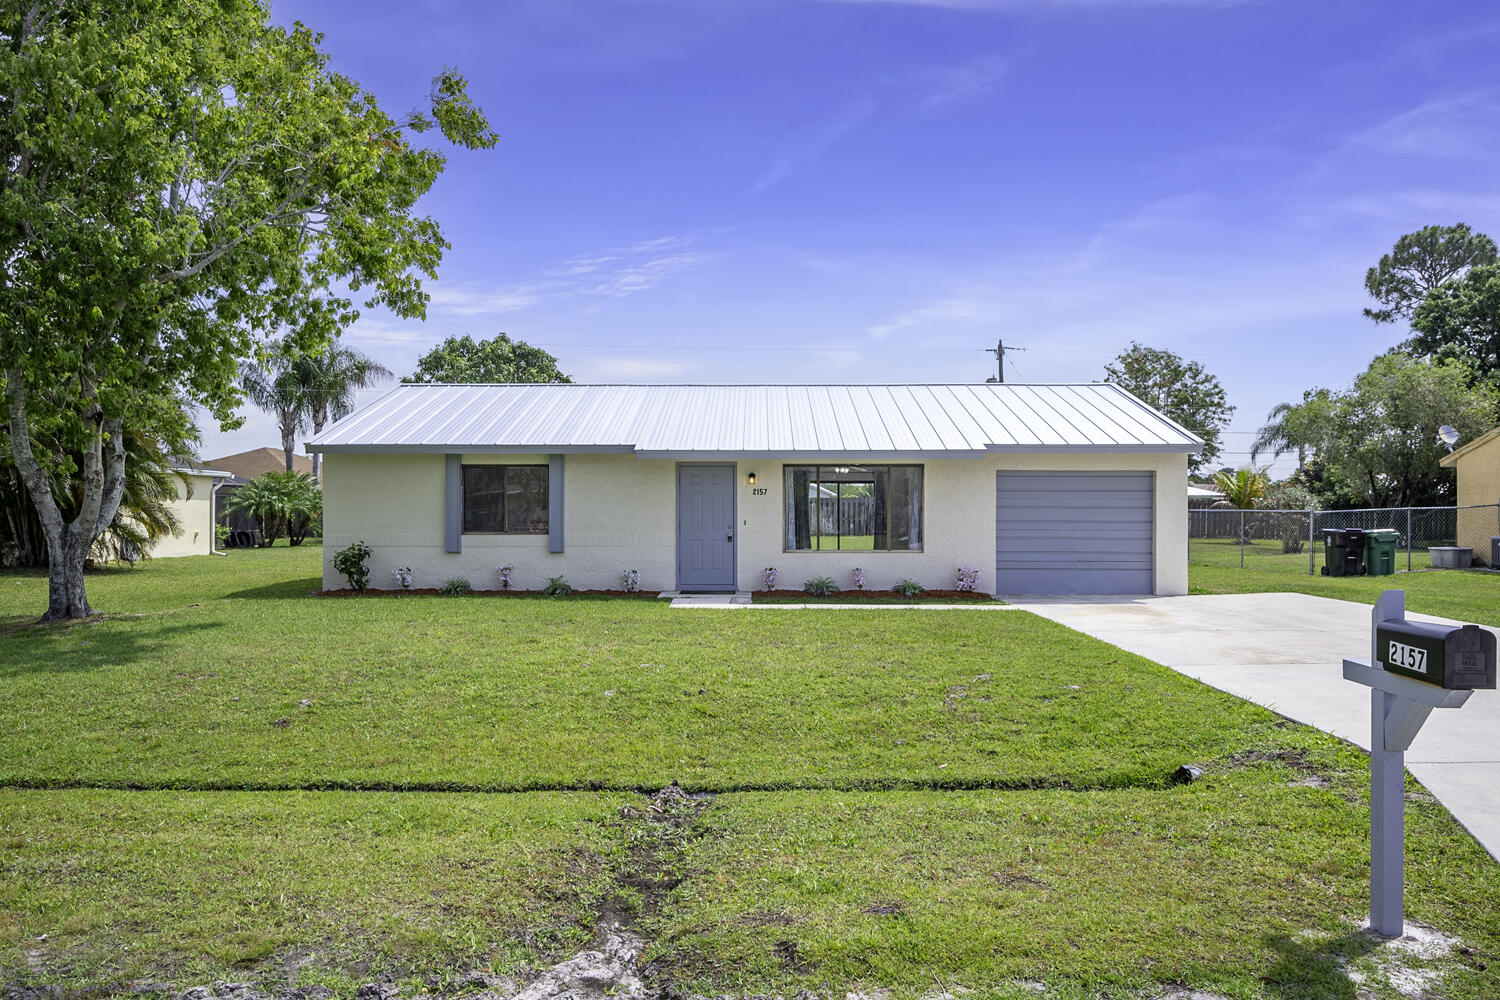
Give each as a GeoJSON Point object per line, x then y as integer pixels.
{"type": "Point", "coordinates": [1448, 435]}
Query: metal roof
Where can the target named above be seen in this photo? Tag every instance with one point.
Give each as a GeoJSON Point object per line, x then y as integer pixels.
{"type": "Point", "coordinates": [752, 421]}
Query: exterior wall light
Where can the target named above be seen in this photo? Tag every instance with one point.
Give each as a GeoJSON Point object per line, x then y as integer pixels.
{"type": "Point", "coordinates": [750, 479]}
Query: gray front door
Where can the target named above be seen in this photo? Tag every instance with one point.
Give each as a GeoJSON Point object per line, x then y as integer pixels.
{"type": "Point", "coordinates": [1074, 532]}
{"type": "Point", "coordinates": [705, 527]}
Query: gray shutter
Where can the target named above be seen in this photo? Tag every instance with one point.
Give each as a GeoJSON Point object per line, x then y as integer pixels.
{"type": "Point", "coordinates": [554, 503]}
{"type": "Point", "coordinates": [453, 504]}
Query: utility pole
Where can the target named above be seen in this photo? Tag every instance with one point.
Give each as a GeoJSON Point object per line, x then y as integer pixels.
{"type": "Point", "coordinates": [999, 352]}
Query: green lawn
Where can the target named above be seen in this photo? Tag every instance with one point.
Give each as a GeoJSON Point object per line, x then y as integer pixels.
{"type": "Point", "coordinates": [969, 798]}
{"type": "Point", "coordinates": [1463, 594]}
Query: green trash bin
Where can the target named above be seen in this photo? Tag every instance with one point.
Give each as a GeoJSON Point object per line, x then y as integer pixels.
{"type": "Point", "coordinates": [1380, 551]}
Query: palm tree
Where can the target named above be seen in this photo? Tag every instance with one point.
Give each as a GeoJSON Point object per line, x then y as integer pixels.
{"type": "Point", "coordinates": [1242, 487]}
{"type": "Point", "coordinates": [275, 387]}
{"type": "Point", "coordinates": [1301, 427]}
{"type": "Point", "coordinates": [328, 381]}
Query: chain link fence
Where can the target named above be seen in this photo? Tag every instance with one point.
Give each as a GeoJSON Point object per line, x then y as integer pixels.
{"type": "Point", "coordinates": [1292, 540]}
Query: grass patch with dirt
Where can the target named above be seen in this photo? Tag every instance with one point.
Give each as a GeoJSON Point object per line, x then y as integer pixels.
{"type": "Point", "coordinates": [906, 801]}
{"type": "Point", "coordinates": [100, 888]}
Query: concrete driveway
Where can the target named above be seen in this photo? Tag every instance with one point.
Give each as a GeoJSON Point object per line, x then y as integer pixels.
{"type": "Point", "coordinates": [1286, 652]}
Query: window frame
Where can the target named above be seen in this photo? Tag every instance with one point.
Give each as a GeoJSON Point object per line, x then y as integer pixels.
{"type": "Point", "coordinates": [921, 514]}
{"type": "Point", "coordinates": [463, 521]}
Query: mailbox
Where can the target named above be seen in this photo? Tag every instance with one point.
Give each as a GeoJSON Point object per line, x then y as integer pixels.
{"type": "Point", "coordinates": [1459, 658]}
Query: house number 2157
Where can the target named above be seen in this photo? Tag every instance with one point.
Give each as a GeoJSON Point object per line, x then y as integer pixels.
{"type": "Point", "coordinates": [758, 491]}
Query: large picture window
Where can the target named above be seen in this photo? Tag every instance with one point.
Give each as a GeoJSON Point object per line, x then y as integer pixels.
{"type": "Point", "coordinates": [854, 507]}
{"type": "Point", "coordinates": [505, 498]}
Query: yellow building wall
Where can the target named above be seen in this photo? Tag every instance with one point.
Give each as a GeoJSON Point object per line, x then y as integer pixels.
{"type": "Point", "coordinates": [620, 513]}
{"type": "Point", "coordinates": [1479, 484]}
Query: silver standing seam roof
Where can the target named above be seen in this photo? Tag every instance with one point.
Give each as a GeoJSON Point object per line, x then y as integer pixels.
{"type": "Point", "coordinates": [758, 421]}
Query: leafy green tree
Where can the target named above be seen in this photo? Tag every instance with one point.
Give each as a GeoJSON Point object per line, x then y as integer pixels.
{"type": "Point", "coordinates": [1183, 390]}
{"type": "Point", "coordinates": [1420, 263]}
{"type": "Point", "coordinates": [1460, 321]}
{"type": "Point", "coordinates": [1301, 427]}
{"type": "Point", "coordinates": [280, 502]}
{"type": "Point", "coordinates": [182, 176]}
{"type": "Point", "coordinates": [500, 359]}
{"type": "Point", "coordinates": [1385, 451]}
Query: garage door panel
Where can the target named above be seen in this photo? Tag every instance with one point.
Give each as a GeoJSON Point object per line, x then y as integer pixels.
{"type": "Point", "coordinates": [1082, 547]}
{"type": "Point", "coordinates": [1074, 533]}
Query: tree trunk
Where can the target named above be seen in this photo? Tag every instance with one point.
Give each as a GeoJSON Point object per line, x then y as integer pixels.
{"type": "Point", "coordinates": [289, 437]}
{"type": "Point", "coordinates": [320, 416]}
{"type": "Point", "coordinates": [66, 596]}
{"type": "Point", "coordinates": [69, 542]}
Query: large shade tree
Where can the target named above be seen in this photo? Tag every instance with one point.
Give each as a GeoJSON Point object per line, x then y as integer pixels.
{"type": "Point", "coordinates": [1421, 262]}
{"type": "Point", "coordinates": [1385, 451]}
{"type": "Point", "coordinates": [1183, 390]}
{"type": "Point", "coordinates": [180, 175]}
{"type": "Point", "coordinates": [499, 359]}
{"type": "Point", "coordinates": [1460, 321]}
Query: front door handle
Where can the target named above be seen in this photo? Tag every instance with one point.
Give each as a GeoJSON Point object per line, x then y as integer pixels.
{"type": "Point", "coordinates": [730, 537]}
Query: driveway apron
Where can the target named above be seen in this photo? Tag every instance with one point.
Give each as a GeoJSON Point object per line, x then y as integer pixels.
{"type": "Point", "coordinates": [1286, 652]}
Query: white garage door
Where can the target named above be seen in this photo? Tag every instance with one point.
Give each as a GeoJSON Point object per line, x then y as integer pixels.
{"type": "Point", "coordinates": [1073, 532]}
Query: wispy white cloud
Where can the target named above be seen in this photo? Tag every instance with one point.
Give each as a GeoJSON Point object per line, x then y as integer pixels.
{"type": "Point", "coordinates": [628, 369]}
{"type": "Point", "coordinates": [1406, 209]}
{"type": "Point", "coordinates": [955, 84]}
{"type": "Point", "coordinates": [1024, 4]}
{"type": "Point", "coordinates": [1161, 213]}
{"type": "Point", "coordinates": [471, 301]}
{"type": "Point", "coordinates": [614, 272]}
{"type": "Point", "coordinates": [375, 332]}
{"type": "Point", "coordinates": [1456, 126]}
{"type": "Point", "coordinates": [942, 312]}
{"type": "Point", "coordinates": [811, 143]}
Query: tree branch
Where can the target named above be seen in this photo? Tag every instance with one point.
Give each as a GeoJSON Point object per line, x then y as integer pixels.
{"type": "Point", "coordinates": [114, 478]}
{"type": "Point", "coordinates": [37, 482]}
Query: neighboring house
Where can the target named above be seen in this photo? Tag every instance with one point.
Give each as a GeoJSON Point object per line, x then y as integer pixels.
{"type": "Point", "coordinates": [1044, 488]}
{"type": "Point", "coordinates": [196, 509]}
{"type": "Point", "coordinates": [1202, 496]}
{"type": "Point", "coordinates": [243, 467]}
{"type": "Point", "coordinates": [1478, 465]}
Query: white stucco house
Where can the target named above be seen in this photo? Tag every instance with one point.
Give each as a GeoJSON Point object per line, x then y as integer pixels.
{"type": "Point", "coordinates": [1046, 489]}
{"type": "Point", "coordinates": [196, 507]}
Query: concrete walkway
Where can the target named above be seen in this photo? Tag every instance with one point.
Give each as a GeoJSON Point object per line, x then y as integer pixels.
{"type": "Point", "coordinates": [1286, 652]}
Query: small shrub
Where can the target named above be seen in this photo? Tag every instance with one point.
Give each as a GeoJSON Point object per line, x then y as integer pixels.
{"type": "Point", "coordinates": [354, 563]}
{"type": "Point", "coordinates": [455, 586]}
{"type": "Point", "coordinates": [221, 535]}
{"type": "Point", "coordinates": [820, 586]}
{"type": "Point", "coordinates": [504, 573]}
{"type": "Point", "coordinates": [557, 587]}
{"type": "Point", "coordinates": [403, 577]}
{"type": "Point", "coordinates": [631, 580]}
{"type": "Point", "coordinates": [858, 576]}
{"type": "Point", "coordinates": [968, 579]}
{"type": "Point", "coordinates": [768, 577]}
{"type": "Point", "coordinates": [909, 588]}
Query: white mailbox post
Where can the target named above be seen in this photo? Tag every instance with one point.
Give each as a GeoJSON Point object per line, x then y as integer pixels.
{"type": "Point", "coordinates": [1399, 704]}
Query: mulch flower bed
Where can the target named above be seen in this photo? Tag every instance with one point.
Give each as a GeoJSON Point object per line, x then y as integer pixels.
{"type": "Point", "coordinates": [433, 592]}
{"type": "Point", "coordinates": [883, 595]}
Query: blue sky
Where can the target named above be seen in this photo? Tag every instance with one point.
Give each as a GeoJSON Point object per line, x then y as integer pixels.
{"type": "Point", "coordinates": [875, 190]}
